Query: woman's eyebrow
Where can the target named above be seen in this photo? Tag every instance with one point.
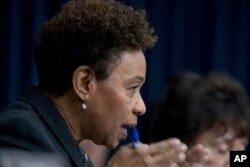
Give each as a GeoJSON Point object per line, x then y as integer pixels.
{"type": "Point", "coordinates": [139, 78]}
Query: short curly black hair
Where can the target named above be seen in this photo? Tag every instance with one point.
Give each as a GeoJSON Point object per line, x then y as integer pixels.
{"type": "Point", "coordinates": [88, 32]}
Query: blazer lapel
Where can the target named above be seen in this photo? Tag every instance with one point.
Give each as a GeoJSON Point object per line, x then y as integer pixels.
{"type": "Point", "coordinates": [54, 120]}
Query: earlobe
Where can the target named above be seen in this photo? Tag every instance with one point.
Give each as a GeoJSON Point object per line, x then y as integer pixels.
{"type": "Point", "coordinates": [82, 78]}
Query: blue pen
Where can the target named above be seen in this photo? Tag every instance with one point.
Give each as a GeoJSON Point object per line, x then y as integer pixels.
{"type": "Point", "coordinates": [135, 138]}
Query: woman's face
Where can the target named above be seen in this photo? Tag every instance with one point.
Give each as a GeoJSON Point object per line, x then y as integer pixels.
{"type": "Point", "coordinates": [219, 145]}
{"type": "Point", "coordinates": [114, 103]}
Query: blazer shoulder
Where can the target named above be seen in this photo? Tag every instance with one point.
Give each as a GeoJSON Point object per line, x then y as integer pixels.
{"type": "Point", "coordinates": [18, 110]}
{"type": "Point", "coordinates": [21, 126]}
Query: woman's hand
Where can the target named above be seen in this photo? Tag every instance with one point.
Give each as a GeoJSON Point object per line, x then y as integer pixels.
{"type": "Point", "coordinates": [164, 153]}
{"type": "Point", "coordinates": [197, 156]}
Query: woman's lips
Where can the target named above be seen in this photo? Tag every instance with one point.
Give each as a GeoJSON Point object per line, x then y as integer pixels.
{"type": "Point", "coordinates": [124, 133]}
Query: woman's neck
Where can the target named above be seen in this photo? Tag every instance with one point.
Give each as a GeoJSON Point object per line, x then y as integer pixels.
{"type": "Point", "coordinates": [66, 107]}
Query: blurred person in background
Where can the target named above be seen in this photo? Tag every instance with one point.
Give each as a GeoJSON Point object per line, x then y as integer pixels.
{"type": "Point", "coordinates": [211, 110]}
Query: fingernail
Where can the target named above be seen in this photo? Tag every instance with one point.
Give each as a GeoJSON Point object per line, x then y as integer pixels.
{"type": "Point", "coordinates": [181, 156]}
{"type": "Point", "coordinates": [175, 141]}
{"type": "Point", "coordinates": [183, 147]}
{"type": "Point", "coordinates": [145, 145]}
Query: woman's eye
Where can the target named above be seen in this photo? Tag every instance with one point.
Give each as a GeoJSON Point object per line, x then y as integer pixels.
{"type": "Point", "coordinates": [223, 148]}
{"type": "Point", "coordinates": [133, 89]}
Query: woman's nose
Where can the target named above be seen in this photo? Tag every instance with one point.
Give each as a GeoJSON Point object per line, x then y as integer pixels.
{"type": "Point", "coordinates": [140, 107]}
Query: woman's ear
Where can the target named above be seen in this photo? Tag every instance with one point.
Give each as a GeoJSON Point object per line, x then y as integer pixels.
{"type": "Point", "coordinates": [82, 78]}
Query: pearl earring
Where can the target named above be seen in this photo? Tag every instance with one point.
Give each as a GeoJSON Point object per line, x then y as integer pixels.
{"type": "Point", "coordinates": [84, 105]}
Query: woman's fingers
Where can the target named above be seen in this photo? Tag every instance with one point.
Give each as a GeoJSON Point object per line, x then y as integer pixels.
{"type": "Point", "coordinates": [167, 152]}
{"type": "Point", "coordinates": [198, 154]}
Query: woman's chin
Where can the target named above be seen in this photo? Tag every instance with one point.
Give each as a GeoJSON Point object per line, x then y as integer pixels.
{"type": "Point", "coordinates": [112, 145]}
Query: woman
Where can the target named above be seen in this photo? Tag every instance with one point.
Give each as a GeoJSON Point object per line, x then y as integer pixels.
{"type": "Point", "coordinates": [91, 66]}
{"type": "Point", "coordinates": [211, 110]}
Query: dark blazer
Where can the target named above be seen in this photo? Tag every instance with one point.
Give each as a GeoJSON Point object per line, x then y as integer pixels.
{"type": "Point", "coordinates": [33, 124]}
